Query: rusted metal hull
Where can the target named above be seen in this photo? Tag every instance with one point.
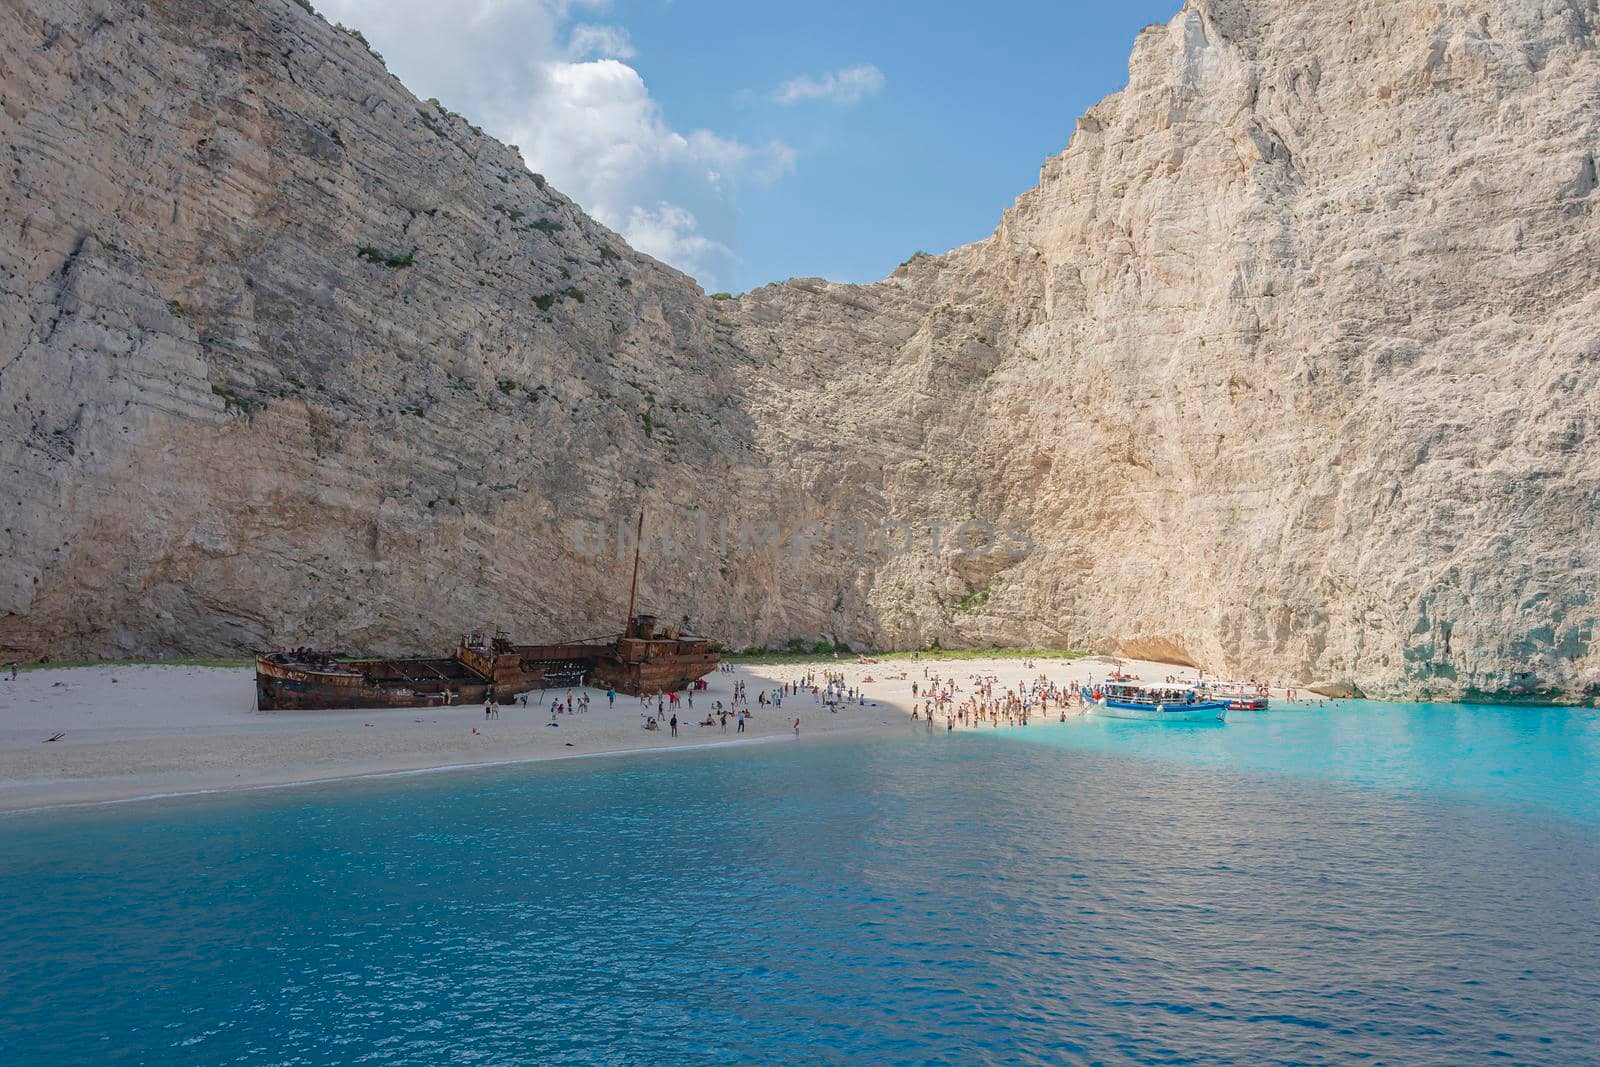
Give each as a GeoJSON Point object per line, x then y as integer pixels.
{"type": "Point", "coordinates": [519, 668]}
{"type": "Point", "coordinates": [481, 670]}
{"type": "Point", "coordinates": [640, 663]}
{"type": "Point", "coordinates": [366, 684]}
{"type": "Point", "coordinates": [668, 674]}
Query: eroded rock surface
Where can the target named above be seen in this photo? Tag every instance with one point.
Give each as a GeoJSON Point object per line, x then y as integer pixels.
{"type": "Point", "coordinates": [1286, 367]}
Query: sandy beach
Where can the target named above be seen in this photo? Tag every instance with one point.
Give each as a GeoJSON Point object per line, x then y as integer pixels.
{"type": "Point", "coordinates": [133, 731]}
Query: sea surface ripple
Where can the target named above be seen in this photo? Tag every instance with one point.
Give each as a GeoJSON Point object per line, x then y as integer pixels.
{"type": "Point", "coordinates": [1060, 893]}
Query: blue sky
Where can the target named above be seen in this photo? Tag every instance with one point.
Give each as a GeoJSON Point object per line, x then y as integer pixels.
{"type": "Point", "coordinates": [748, 143]}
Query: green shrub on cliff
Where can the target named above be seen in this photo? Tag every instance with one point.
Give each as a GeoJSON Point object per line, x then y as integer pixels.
{"type": "Point", "coordinates": [356, 35]}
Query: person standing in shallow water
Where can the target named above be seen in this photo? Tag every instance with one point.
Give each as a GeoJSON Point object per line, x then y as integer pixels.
{"type": "Point", "coordinates": [797, 726]}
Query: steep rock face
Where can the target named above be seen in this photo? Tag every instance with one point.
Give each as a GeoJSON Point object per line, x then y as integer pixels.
{"type": "Point", "coordinates": [289, 355]}
{"type": "Point", "coordinates": [1285, 367]}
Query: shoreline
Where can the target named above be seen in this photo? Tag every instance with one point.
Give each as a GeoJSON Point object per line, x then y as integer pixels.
{"type": "Point", "coordinates": [137, 733]}
{"type": "Point", "coordinates": [404, 772]}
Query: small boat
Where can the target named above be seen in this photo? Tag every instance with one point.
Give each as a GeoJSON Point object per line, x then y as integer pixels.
{"type": "Point", "coordinates": [1122, 698]}
{"type": "Point", "coordinates": [1240, 697]}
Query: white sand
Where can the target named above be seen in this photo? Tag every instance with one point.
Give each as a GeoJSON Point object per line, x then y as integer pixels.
{"type": "Point", "coordinates": [139, 731]}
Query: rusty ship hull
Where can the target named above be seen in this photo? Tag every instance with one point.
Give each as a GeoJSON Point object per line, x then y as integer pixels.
{"type": "Point", "coordinates": [287, 681]}
{"type": "Point", "coordinates": [642, 668]}
{"type": "Point", "coordinates": [640, 662]}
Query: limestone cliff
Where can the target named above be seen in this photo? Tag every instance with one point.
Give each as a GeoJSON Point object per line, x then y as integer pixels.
{"type": "Point", "coordinates": [1286, 366]}
{"type": "Point", "coordinates": [1288, 363]}
{"type": "Point", "coordinates": [289, 355]}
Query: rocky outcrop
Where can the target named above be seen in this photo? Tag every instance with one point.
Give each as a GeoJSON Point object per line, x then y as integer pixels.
{"type": "Point", "coordinates": [1285, 367]}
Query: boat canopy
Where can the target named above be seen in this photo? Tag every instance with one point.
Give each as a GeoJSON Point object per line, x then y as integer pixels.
{"type": "Point", "coordinates": [1163, 687]}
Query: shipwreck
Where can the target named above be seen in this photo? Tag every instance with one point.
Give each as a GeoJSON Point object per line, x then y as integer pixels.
{"type": "Point", "coordinates": [642, 660]}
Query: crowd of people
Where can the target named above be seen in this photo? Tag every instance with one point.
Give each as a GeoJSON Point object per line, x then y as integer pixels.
{"type": "Point", "coordinates": [982, 701]}
{"type": "Point", "coordinates": [977, 700]}
{"type": "Point", "coordinates": [825, 689]}
{"type": "Point", "coordinates": [737, 710]}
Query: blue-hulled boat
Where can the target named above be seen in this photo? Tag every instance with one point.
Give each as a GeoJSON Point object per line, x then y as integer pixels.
{"type": "Point", "coordinates": [1119, 698]}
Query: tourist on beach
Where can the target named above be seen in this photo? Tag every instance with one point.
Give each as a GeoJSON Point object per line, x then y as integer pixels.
{"type": "Point", "coordinates": [611, 698]}
{"type": "Point", "coordinates": [674, 724]}
{"type": "Point", "coordinates": [740, 730]}
{"type": "Point", "coordinates": [797, 726]}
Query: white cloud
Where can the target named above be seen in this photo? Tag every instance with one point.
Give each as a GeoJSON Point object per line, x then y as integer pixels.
{"type": "Point", "coordinates": [670, 233]}
{"type": "Point", "coordinates": [599, 135]}
{"type": "Point", "coordinates": [846, 87]}
{"type": "Point", "coordinates": [600, 42]}
{"type": "Point", "coordinates": [581, 116]}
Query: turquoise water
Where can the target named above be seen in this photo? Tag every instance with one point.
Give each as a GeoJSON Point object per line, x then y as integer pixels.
{"type": "Point", "coordinates": [1373, 884]}
{"type": "Point", "coordinates": [1536, 757]}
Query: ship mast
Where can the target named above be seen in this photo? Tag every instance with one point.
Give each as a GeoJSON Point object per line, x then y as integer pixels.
{"type": "Point", "coordinates": [638, 542]}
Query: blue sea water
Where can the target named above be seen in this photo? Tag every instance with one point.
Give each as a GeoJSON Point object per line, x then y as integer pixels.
{"type": "Point", "coordinates": [1362, 883]}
